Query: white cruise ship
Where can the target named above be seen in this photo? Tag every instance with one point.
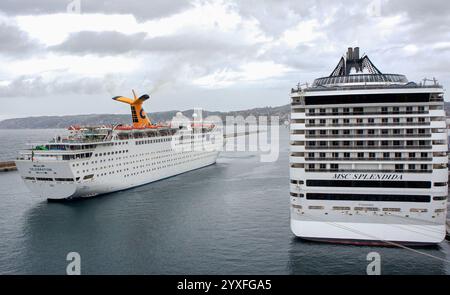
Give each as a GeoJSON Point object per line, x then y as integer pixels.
{"type": "Point", "coordinates": [98, 160]}
{"type": "Point", "coordinates": [368, 157]}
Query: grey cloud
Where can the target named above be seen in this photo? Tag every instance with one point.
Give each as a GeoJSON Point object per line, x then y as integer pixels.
{"type": "Point", "coordinates": [142, 10]}
{"type": "Point", "coordinates": [100, 43]}
{"type": "Point", "coordinates": [111, 43]}
{"type": "Point", "coordinates": [181, 57]}
{"type": "Point", "coordinates": [33, 86]}
{"type": "Point", "coordinates": [14, 42]}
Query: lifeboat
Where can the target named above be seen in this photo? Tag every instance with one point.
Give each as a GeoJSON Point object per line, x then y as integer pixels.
{"type": "Point", "coordinates": [74, 128]}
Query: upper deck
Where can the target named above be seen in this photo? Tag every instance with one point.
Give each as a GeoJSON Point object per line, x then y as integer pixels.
{"type": "Point", "coordinates": [359, 75]}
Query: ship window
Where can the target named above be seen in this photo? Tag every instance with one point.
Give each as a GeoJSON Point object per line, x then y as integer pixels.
{"type": "Point", "coordinates": [391, 209]}
{"type": "Point", "coordinates": [366, 197]}
{"type": "Point", "coordinates": [64, 179]}
{"type": "Point", "coordinates": [399, 167]}
{"type": "Point", "coordinates": [372, 209]}
{"type": "Point", "coordinates": [368, 183]}
{"type": "Point", "coordinates": [418, 210]}
{"type": "Point", "coordinates": [88, 176]}
{"type": "Point", "coordinates": [440, 198]}
{"type": "Point", "coordinates": [341, 208]}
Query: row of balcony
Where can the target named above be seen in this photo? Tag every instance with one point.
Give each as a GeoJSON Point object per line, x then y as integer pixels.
{"type": "Point", "coordinates": [368, 135]}
{"type": "Point", "coordinates": [369, 171]}
{"type": "Point", "coordinates": [368, 159]}
{"type": "Point", "coordinates": [309, 114]}
{"type": "Point", "coordinates": [395, 147]}
{"type": "Point", "coordinates": [368, 124]}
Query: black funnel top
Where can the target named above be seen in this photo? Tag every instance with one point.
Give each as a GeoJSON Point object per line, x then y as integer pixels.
{"type": "Point", "coordinates": [353, 61]}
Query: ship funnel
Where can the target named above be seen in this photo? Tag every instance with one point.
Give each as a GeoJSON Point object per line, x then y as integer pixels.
{"type": "Point", "coordinates": [350, 53]}
{"type": "Point", "coordinates": [138, 115]}
{"type": "Point", "coordinates": [356, 53]}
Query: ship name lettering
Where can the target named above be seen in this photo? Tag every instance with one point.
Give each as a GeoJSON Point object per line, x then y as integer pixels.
{"type": "Point", "coordinates": [366, 176]}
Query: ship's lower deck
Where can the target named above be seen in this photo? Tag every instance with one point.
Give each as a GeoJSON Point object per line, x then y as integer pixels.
{"type": "Point", "coordinates": [57, 189]}
{"type": "Point", "coordinates": [367, 230]}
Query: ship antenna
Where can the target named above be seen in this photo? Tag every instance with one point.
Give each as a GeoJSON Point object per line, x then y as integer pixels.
{"type": "Point", "coordinates": [134, 94]}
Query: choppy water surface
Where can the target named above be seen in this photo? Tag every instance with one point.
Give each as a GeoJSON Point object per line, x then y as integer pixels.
{"type": "Point", "coordinates": [229, 218]}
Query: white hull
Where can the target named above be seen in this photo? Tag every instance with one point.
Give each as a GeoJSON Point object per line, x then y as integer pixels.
{"type": "Point", "coordinates": [62, 190]}
{"type": "Point", "coordinates": [113, 167]}
{"type": "Point", "coordinates": [368, 233]}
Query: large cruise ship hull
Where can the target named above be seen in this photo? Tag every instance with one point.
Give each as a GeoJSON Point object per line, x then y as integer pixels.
{"type": "Point", "coordinates": [84, 189]}
{"type": "Point", "coordinates": [371, 234]}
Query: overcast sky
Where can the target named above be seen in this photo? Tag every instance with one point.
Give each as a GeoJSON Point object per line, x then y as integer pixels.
{"type": "Point", "coordinates": [71, 57]}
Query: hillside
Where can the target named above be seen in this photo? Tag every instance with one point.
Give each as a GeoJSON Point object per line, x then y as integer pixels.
{"type": "Point", "coordinates": [44, 122]}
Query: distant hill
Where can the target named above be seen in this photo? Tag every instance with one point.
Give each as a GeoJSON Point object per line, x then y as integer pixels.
{"type": "Point", "coordinates": [44, 122]}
